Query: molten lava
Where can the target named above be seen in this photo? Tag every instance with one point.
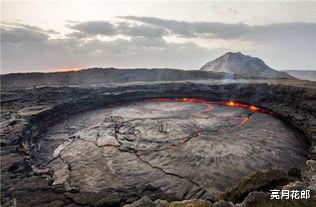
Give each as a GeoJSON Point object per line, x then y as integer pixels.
{"type": "Point", "coordinates": [253, 108]}
{"type": "Point", "coordinates": [244, 121]}
{"type": "Point", "coordinates": [184, 99]}
{"type": "Point", "coordinates": [230, 103]}
{"type": "Point", "coordinates": [209, 106]}
{"type": "Point", "coordinates": [237, 104]}
{"type": "Point", "coordinates": [250, 107]}
{"type": "Point", "coordinates": [208, 103]}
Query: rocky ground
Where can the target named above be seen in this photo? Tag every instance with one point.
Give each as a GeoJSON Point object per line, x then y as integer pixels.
{"type": "Point", "coordinates": [70, 146]}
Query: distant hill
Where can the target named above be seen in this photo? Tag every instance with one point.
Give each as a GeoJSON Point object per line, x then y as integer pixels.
{"type": "Point", "coordinates": [303, 74]}
{"type": "Point", "coordinates": [106, 76]}
{"type": "Point", "coordinates": [238, 63]}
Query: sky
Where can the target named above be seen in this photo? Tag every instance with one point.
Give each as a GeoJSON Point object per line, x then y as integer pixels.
{"type": "Point", "coordinates": [46, 35]}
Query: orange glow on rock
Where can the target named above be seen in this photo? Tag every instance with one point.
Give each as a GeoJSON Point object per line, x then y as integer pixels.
{"type": "Point", "coordinates": [184, 99]}
{"type": "Point", "coordinates": [190, 99]}
{"type": "Point", "coordinates": [253, 108]}
{"type": "Point", "coordinates": [244, 121]}
{"type": "Point", "coordinates": [230, 103]}
{"type": "Point", "coordinates": [209, 108]}
{"type": "Point", "coordinates": [250, 107]}
{"type": "Point", "coordinates": [234, 103]}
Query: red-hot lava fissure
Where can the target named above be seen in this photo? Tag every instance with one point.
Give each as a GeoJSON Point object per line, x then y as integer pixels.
{"type": "Point", "coordinates": [209, 106]}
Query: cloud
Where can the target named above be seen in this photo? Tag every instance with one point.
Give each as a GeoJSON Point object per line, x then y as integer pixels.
{"type": "Point", "coordinates": [148, 42]}
{"type": "Point", "coordinates": [157, 27]}
{"type": "Point", "coordinates": [22, 34]}
{"type": "Point", "coordinates": [142, 31]}
{"type": "Point", "coordinates": [217, 30]}
{"type": "Point", "coordinates": [95, 28]}
{"type": "Point", "coordinates": [194, 29]}
{"type": "Point", "coordinates": [77, 35]}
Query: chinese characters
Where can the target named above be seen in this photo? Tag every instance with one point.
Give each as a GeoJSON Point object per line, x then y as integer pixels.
{"type": "Point", "coordinates": [289, 194]}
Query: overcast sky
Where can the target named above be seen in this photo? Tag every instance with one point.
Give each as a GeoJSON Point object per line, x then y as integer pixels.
{"type": "Point", "coordinates": [54, 35]}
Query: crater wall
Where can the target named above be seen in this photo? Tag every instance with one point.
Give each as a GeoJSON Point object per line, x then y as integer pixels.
{"type": "Point", "coordinates": [26, 115]}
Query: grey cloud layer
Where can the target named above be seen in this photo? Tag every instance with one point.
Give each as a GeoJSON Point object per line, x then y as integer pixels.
{"type": "Point", "coordinates": [122, 28]}
{"type": "Point", "coordinates": [22, 33]}
{"type": "Point", "coordinates": [27, 48]}
{"type": "Point", "coordinates": [194, 29]}
{"type": "Point", "coordinates": [230, 31]}
{"type": "Point", "coordinates": [156, 27]}
{"type": "Point", "coordinates": [151, 26]}
{"type": "Point", "coordinates": [95, 28]}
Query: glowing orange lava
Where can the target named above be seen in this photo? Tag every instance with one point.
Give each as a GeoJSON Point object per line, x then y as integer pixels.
{"type": "Point", "coordinates": [230, 103]}
{"type": "Point", "coordinates": [208, 103]}
{"type": "Point", "coordinates": [244, 121]}
{"type": "Point", "coordinates": [184, 99]}
{"type": "Point", "coordinates": [250, 107]}
{"type": "Point", "coordinates": [234, 103]}
{"type": "Point", "coordinates": [253, 108]}
{"type": "Point", "coordinates": [209, 106]}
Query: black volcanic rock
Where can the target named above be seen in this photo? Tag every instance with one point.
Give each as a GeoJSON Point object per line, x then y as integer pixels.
{"type": "Point", "coordinates": [238, 63]}
{"type": "Point", "coordinates": [99, 76]}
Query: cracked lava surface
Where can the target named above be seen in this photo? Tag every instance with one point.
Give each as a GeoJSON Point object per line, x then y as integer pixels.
{"type": "Point", "coordinates": [186, 148]}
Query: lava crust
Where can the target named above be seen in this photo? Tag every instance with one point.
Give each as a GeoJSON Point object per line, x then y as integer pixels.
{"type": "Point", "coordinates": [186, 148]}
{"type": "Point", "coordinates": [111, 146]}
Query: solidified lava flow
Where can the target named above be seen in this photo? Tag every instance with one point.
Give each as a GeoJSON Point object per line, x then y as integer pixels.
{"type": "Point", "coordinates": [183, 147]}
